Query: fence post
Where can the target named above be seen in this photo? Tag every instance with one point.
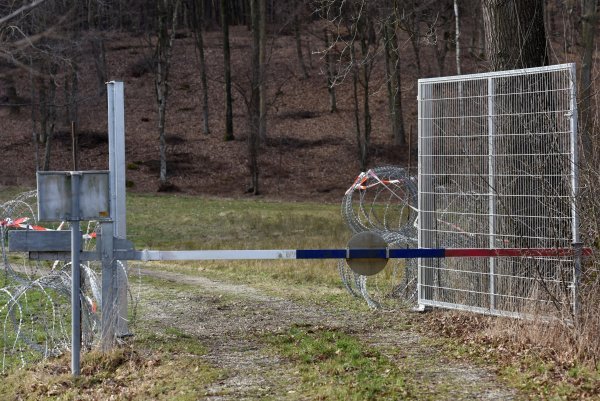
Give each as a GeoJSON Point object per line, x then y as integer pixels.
{"type": "Point", "coordinates": [491, 189]}
{"type": "Point", "coordinates": [116, 161]}
{"type": "Point", "coordinates": [109, 286]}
{"type": "Point", "coordinates": [574, 189]}
{"type": "Point", "coordinates": [75, 275]}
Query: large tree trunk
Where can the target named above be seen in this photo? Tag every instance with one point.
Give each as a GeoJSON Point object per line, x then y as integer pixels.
{"type": "Point", "coordinates": [516, 38]}
{"type": "Point", "coordinates": [515, 35]}
{"type": "Point", "coordinates": [227, 67]}
{"type": "Point", "coordinates": [254, 106]}
{"type": "Point", "coordinates": [590, 21]}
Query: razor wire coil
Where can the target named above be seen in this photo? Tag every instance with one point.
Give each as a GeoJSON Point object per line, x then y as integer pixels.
{"type": "Point", "coordinates": [382, 200]}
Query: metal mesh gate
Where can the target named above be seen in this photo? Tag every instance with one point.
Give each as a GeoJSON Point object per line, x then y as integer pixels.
{"type": "Point", "coordinates": [497, 169]}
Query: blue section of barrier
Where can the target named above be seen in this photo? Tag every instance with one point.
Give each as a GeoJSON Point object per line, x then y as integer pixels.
{"type": "Point", "coordinates": [417, 253]}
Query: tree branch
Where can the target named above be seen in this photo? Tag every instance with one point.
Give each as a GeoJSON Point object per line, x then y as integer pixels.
{"type": "Point", "coordinates": [18, 11]}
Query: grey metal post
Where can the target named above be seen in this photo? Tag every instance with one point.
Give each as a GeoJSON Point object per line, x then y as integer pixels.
{"type": "Point", "coordinates": [116, 160]}
{"type": "Point", "coordinates": [75, 276]}
{"type": "Point", "coordinates": [574, 188]}
{"type": "Point", "coordinates": [426, 196]}
{"type": "Point", "coordinates": [109, 286]}
{"type": "Point", "coordinates": [491, 190]}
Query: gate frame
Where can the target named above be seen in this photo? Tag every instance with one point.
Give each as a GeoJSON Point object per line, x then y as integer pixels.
{"type": "Point", "coordinates": [424, 276]}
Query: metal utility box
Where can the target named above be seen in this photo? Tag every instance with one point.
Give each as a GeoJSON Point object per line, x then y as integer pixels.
{"type": "Point", "coordinates": [54, 195]}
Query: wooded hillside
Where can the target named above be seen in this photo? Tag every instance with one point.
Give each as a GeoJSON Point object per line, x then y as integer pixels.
{"type": "Point", "coordinates": [319, 90]}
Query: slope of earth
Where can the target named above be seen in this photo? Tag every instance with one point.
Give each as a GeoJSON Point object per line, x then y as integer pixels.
{"type": "Point", "coordinates": [309, 152]}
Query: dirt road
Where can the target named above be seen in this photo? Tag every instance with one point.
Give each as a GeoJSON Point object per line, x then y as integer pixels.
{"type": "Point", "coordinates": [231, 320]}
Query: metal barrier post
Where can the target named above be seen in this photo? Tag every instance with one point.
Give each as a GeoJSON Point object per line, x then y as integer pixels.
{"type": "Point", "coordinates": [116, 161]}
{"type": "Point", "coordinates": [75, 276]}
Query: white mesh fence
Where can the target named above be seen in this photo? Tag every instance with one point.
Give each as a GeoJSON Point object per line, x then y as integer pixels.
{"type": "Point", "coordinates": [497, 170]}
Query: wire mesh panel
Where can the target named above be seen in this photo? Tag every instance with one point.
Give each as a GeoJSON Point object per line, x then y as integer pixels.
{"type": "Point", "coordinates": [497, 170]}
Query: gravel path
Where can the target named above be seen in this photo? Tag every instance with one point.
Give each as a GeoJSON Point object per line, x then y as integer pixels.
{"type": "Point", "coordinates": [229, 320]}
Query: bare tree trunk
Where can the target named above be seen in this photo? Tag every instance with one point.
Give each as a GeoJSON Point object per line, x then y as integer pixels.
{"type": "Point", "coordinates": [515, 35]}
{"type": "Point", "coordinates": [388, 74]}
{"type": "Point", "coordinates": [329, 71]}
{"type": "Point", "coordinates": [366, 110]}
{"type": "Point", "coordinates": [99, 56]}
{"type": "Point", "coordinates": [253, 137]}
{"type": "Point", "coordinates": [263, 69]}
{"type": "Point", "coordinates": [48, 117]}
{"type": "Point", "coordinates": [359, 140]}
{"type": "Point", "coordinates": [395, 84]}
{"type": "Point", "coordinates": [198, 27]}
{"type": "Point", "coordinates": [309, 53]}
{"type": "Point", "coordinates": [510, 26]}
{"type": "Point", "coordinates": [10, 88]}
{"type": "Point", "coordinates": [590, 21]}
{"type": "Point", "coordinates": [34, 132]}
{"type": "Point", "coordinates": [441, 50]}
{"type": "Point", "coordinates": [407, 18]}
{"type": "Point", "coordinates": [457, 37]}
{"type": "Point", "coordinates": [299, 47]}
{"type": "Point", "coordinates": [163, 60]}
{"type": "Point", "coordinates": [227, 66]}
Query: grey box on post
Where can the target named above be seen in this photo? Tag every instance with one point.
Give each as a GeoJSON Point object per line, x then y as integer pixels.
{"type": "Point", "coordinates": [54, 195]}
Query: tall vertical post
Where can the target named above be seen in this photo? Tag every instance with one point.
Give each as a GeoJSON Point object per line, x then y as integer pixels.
{"type": "Point", "coordinates": [491, 190]}
{"type": "Point", "coordinates": [116, 160]}
{"type": "Point", "coordinates": [419, 194]}
{"type": "Point", "coordinates": [426, 196]}
{"type": "Point", "coordinates": [75, 275]}
{"type": "Point", "coordinates": [574, 189]}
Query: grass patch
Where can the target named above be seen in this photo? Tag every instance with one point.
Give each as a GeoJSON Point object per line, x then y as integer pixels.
{"type": "Point", "coordinates": [164, 366]}
{"type": "Point", "coordinates": [336, 366]}
{"type": "Point", "coordinates": [185, 222]}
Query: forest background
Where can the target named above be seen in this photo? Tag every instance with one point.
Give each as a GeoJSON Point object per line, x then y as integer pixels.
{"type": "Point", "coordinates": [287, 99]}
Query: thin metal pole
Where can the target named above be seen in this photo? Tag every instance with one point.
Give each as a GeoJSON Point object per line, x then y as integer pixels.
{"type": "Point", "coordinates": [75, 275]}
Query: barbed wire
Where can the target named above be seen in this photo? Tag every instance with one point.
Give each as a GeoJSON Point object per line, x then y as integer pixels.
{"type": "Point", "coordinates": [35, 296]}
{"type": "Point", "coordinates": [382, 200]}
